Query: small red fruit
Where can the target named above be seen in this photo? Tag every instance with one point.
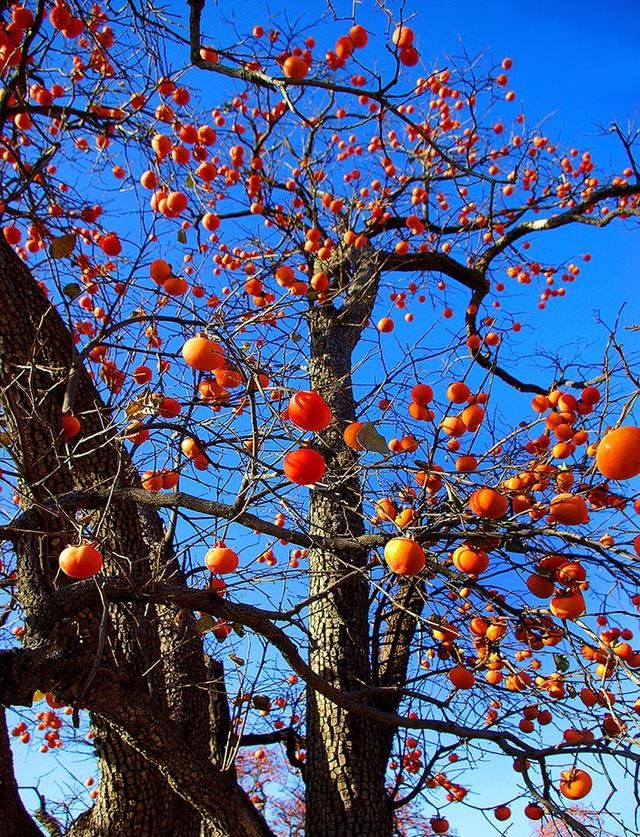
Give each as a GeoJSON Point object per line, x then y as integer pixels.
{"type": "Point", "coordinates": [70, 426]}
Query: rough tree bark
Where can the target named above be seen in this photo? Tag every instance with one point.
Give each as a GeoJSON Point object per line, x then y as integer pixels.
{"type": "Point", "coordinates": [347, 754]}
{"type": "Point", "coordinates": [37, 362]}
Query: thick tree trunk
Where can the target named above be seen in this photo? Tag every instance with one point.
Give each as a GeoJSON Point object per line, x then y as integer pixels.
{"type": "Point", "coordinates": [347, 754]}
{"type": "Point", "coordinates": [154, 646]}
{"type": "Point", "coordinates": [37, 356]}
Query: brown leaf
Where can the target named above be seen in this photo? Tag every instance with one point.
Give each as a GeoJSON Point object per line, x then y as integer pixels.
{"type": "Point", "coordinates": [62, 246]}
{"type": "Point", "coordinates": [204, 623]}
{"type": "Point", "coordinates": [371, 440]}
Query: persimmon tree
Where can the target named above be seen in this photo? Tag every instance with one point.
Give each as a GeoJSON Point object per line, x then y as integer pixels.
{"type": "Point", "coordinates": [273, 475]}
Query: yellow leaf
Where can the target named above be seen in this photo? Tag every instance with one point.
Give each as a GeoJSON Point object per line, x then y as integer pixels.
{"type": "Point", "coordinates": [144, 404]}
{"type": "Point", "coordinates": [204, 623]}
{"type": "Point", "coordinates": [134, 409]}
{"type": "Point", "coordinates": [62, 246]}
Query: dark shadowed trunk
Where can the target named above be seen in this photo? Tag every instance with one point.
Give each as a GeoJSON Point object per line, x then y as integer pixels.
{"type": "Point", "coordinates": [156, 648]}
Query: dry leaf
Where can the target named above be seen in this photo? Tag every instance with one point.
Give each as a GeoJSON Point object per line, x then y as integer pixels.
{"type": "Point", "coordinates": [371, 440]}
{"type": "Point", "coordinates": [72, 290]}
{"type": "Point", "coordinates": [62, 246]}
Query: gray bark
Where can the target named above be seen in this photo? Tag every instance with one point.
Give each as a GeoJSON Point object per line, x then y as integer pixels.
{"type": "Point", "coordinates": [347, 754]}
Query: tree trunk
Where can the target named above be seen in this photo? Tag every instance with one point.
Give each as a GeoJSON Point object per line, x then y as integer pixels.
{"type": "Point", "coordinates": [154, 646]}
{"type": "Point", "coordinates": [346, 754]}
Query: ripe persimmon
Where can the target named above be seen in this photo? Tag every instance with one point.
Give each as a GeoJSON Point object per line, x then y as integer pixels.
{"type": "Point", "coordinates": [533, 811]}
{"type": "Point", "coordinates": [540, 586]}
{"type": "Point", "coordinates": [409, 56]}
{"type": "Point", "coordinates": [350, 435]}
{"type": "Point", "coordinates": [404, 556]}
{"type": "Point", "coordinates": [136, 433]}
{"type": "Point", "coordinates": [203, 354]}
{"type": "Point", "coordinates": [443, 631]}
{"type": "Point", "coordinates": [359, 37]}
{"type": "Point", "coordinates": [110, 245]}
{"type": "Point", "coordinates": [344, 47]}
{"type": "Point", "coordinates": [221, 559]}
{"type": "Point", "coordinates": [453, 426]}
{"type": "Point", "coordinates": [571, 572]}
{"type": "Point", "coordinates": [471, 560]}
{"type": "Point", "coordinates": [142, 375]}
{"type": "Point", "coordinates": [59, 16]}
{"type": "Point", "coordinates": [170, 479]}
{"type": "Point", "coordinates": [590, 395]}
{"type": "Point", "coordinates": [177, 202]}
{"type": "Point", "coordinates": [295, 68]}
{"type": "Point", "coordinates": [466, 464]}
{"type": "Point", "coordinates": [168, 407]}
{"type": "Point", "coordinates": [82, 561]}
{"type": "Point", "coordinates": [209, 54]}
{"type": "Point", "coordinates": [420, 413]}
{"type": "Point", "coordinates": [517, 682]}
{"type": "Point", "coordinates": [190, 448]}
{"type": "Point", "coordinates": [386, 509]}
{"type": "Point", "coordinates": [462, 678]}
{"type": "Point", "coordinates": [489, 503]}
{"type": "Point", "coordinates": [478, 626]}
{"type": "Point", "coordinates": [151, 481]}
{"type": "Point", "coordinates": [502, 813]}
{"type": "Point", "coordinates": [304, 466]}
{"type": "Point", "coordinates": [568, 509]}
{"type": "Point", "coordinates": [575, 784]}
{"type": "Point", "coordinates": [618, 453]}
{"type": "Point", "coordinates": [309, 411]}
{"type": "Point", "coordinates": [160, 271]}
{"type": "Point", "coordinates": [175, 286]}
{"type": "Point", "coordinates": [402, 37]}
{"type": "Point", "coordinates": [70, 426]}
{"type": "Point", "coordinates": [458, 392]}
{"type": "Point", "coordinates": [472, 417]}
{"type": "Point", "coordinates": [404, 518]}
{"type": "Point", "coordinates": [422, 394]}
{"type": "Point", "coordinates": [210, 221]}
{"type": "Point", "coordinates": [568, 605]}
{"type": "Point", "coordinates": [228, 378]}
